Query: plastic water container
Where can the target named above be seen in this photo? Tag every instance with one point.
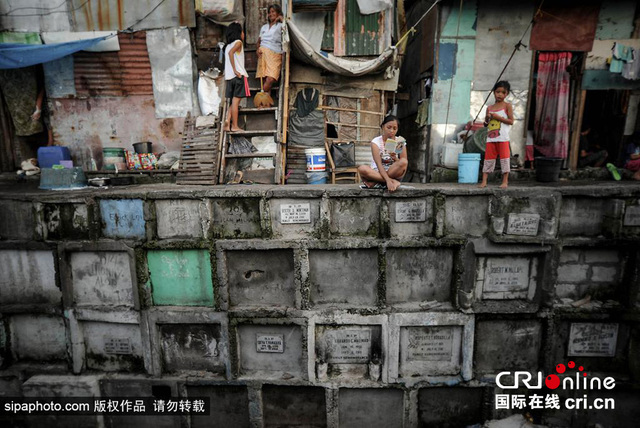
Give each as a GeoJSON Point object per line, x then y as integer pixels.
{"type": "Point", "coordinates": [112, 158]}
{"type": "Point", "coordinates": [52, 155]}
{"type": "Point", "coordinates": [316, 159]}
{"type": "Point", "coordinates": [468, 167]}
{"type": "Point", "coordinates": [316, 177]}
{"type": "Point", "coordinates": [450, 153]}
{"type": "Point", "coordinates": [548, 169]}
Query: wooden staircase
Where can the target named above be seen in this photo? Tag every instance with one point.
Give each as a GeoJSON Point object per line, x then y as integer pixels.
{"type": "Point", "coordinates": [256, 122]}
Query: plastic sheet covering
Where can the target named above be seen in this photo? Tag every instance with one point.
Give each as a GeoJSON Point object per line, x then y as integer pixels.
{"type": "Point", "coordinates": [311, 24]}
{"type": "Point", "coordinates": [172, 72]}
{"type": "Point", "coordinates": [108, 45]}
{"type": "Point", "coordinates": [221, 11]}
{"type": "Point", "coordinates": [307, 130]}
{"type": "Point", "coordinates": [304, 51]}
{"type": "Point", "coordinates": [16, 55]}
{"type": "Point", "coordinates": [374, 6]}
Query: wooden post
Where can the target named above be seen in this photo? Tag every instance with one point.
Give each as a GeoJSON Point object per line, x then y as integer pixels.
{"type": "Point", "coordinates": [575, 140]}
{"type": "Point", "coordinates": [285, 103]}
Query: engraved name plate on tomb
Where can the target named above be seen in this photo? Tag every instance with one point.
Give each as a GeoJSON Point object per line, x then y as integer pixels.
{"type": "Point", "coordinates": [523, 224]}
{"type": "Point", "coordinates": [411, 212]}
{"type": "Point", "coordinates": [270, 343]}
{"type": "Point", "coordinates": [430, 343]}
{"type": "Point", "coordinates": [632, 216]}
{"type": "Point", "coordinates": [348, 346]}
{"type": "Point", "coordinates": [295, 213]}
{"type": "Point", "coordinates": [117, 346]}
{"type": "Point", "coordinates": [592, 340]}
{"type": "Point", "coordinates": [506, 278]}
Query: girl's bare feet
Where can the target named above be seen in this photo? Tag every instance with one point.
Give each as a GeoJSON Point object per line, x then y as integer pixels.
{"type": "Point", "coordinates": [482, 185]}
{"type": "Point", "coordinates": [504, 185]}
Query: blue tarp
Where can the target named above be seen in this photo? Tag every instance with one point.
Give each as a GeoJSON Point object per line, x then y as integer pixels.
{"type": "Point", "coordinates": [16, 55]}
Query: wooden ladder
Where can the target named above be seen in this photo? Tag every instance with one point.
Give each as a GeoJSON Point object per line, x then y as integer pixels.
{"type": "Point", "coordinates": [199, 152]}
{"type": "Point", "coordinates": [257, 122]}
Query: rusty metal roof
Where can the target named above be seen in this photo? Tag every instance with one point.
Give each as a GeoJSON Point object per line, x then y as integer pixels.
{"type": "Point", "coordinates": [126, 72]}
{"type": "Point", "coordinates": [98, 15]}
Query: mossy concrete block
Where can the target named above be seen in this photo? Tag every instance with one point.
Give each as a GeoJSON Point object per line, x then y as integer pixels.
{"type": "Point", "coordinates": [465, 215]}
{"type": "Point", "coordinates": [355, 216]}
{"type": "Point", "coordinates": [102, 278]}
{"type": "Point", "coordinates": [343, 278]}
{"type": "Point", "coordinates": [236, 218]}
{"type": "Point", "coordinates": [38, 338]}
{"type": "Point", "coordinates": [294, 218]}
{"type": "Point", "coordinates": [182, 218]}
{"type": "Point", "coordinates": [261, 278]}
{"type": "Point", "coordinates": [451, 407]}
{"type": "Point", "coordinates": [371, 408]}
{"type": "Point", "coordinates": [294, 406]}
{"type": "Point", "coordinates": [507, 345]}
{"type": "Point", "coordinates": [181, 277]}
{"type": "Point", "coordinates": [271, 351]}
{"type": "Point", "coordinates": [17, 220]}
{"type": "Point", "coordinates": [113, 347]}
{"type": "Point", "coordinates": [582, 216]}
{"type": "Point", "coordinates": [28, 277]}
{"type": "Point", "coordinates": [411, 216]}
{"type": "Point", "coordinates": [416, 275]}
{"type": "Point", "coordinates": [66, 221]}
{"type": "Point", "coordinates": [229, 406]}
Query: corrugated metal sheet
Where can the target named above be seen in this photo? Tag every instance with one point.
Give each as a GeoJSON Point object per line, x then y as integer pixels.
{"type": "Point", "coordinates": [95, 15]}
{"type": "Point", "coordinates": [362, 32]}
{"type": "Point", "coordinates": [126, 72]}
{"type": "Point", "coordinates": [327, 38]}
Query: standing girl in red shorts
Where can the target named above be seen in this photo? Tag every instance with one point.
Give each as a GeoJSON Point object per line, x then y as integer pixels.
{"type": "Point", "coordinates": [499, 120]}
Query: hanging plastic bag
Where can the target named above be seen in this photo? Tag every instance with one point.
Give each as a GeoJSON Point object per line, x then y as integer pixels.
{"type": "Point", "coordinates": [208, 94]}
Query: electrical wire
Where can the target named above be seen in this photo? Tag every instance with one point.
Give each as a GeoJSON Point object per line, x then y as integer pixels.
{"type": "Point", "coordinates": [453, 67]}
{"type": "Point", "coordinates": [51, 10]}
{"type": "Point", "coordinates": [515, 49]}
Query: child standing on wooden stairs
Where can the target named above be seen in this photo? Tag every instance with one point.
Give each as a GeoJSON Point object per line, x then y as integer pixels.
{"type": "Point", "coordinates": [235, 74]}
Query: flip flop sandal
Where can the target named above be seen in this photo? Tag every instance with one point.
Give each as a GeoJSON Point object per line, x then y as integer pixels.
{"type": "Point", "coordinates": [614, 171]}
{"type": "Point", "coordinates": [378, 186]}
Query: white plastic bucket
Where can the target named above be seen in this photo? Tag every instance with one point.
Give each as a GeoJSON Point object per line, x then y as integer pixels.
{"type": "Point", "coordinates": [450, 153]}
{"type": "Point", "coordinates": [316, 159]}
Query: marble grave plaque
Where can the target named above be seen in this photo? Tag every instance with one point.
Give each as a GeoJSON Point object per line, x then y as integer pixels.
{"type": "Point", "coordinates": [270, 343]}
{"type": "Point", "coordinates": [506, 275]}
{"type": "Point", "coordinates": [347, 346]}
{"type": "Point", "coordinates": [592, 340]}
{"type": "Point", "coordinates": [632, 216]}
{"type": "Point", "coordinates": [430, 343]}
{"type": "Point", "coordinates": [120, 346]}
{"type": "Point", "coordinates": [295, 213]}
{"type": "Point", "coordinates": [523, 224]}
{"type": "Point", "coordinates": [411, 212]}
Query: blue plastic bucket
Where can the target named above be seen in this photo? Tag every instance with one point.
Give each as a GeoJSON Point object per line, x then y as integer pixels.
{"type": "Point", "coordinates": [468, 167]}
{"type": "Point", "coordinates": [316, 177]}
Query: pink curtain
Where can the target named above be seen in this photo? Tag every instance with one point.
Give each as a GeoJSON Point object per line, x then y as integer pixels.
{"type": "Point", "coordinates": [551, 127]}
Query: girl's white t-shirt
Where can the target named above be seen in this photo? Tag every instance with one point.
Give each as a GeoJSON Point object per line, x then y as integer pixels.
{"type": "Point", "coordinates": [380, 144]}
{"type": "Point", "coordinates": [238, 58]}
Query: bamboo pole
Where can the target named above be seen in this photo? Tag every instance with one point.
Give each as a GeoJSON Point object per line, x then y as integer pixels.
{"type": "Point", "coordinates": [285, 115]}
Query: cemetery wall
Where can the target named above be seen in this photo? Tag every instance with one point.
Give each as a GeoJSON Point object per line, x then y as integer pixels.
{"type": "Point", "coordinates": [320, 306]}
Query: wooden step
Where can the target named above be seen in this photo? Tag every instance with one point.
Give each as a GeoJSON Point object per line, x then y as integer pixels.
{"type": "Point", "coordinates": [249, 155]}
{"type": "Point", "coordinates": [253, 133]}
{"type": "Point", "coordinates": [257, 110]}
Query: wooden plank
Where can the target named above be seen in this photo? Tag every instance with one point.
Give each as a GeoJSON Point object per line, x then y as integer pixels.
{"type": "Point", "coordinates": [249, 155]}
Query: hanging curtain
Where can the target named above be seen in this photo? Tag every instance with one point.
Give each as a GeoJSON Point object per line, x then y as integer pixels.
{"type": "Point", "coordinates": [551, 126]}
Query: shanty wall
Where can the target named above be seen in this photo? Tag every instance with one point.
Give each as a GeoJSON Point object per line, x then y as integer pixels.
{"type": "Point", "coordinates": [487, 34]}
{"type": "Point", "coordinates": [319, 306]}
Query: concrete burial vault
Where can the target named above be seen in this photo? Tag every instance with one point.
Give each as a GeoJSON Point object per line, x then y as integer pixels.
{"type": "Point", "coordinates": [318, 305]}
